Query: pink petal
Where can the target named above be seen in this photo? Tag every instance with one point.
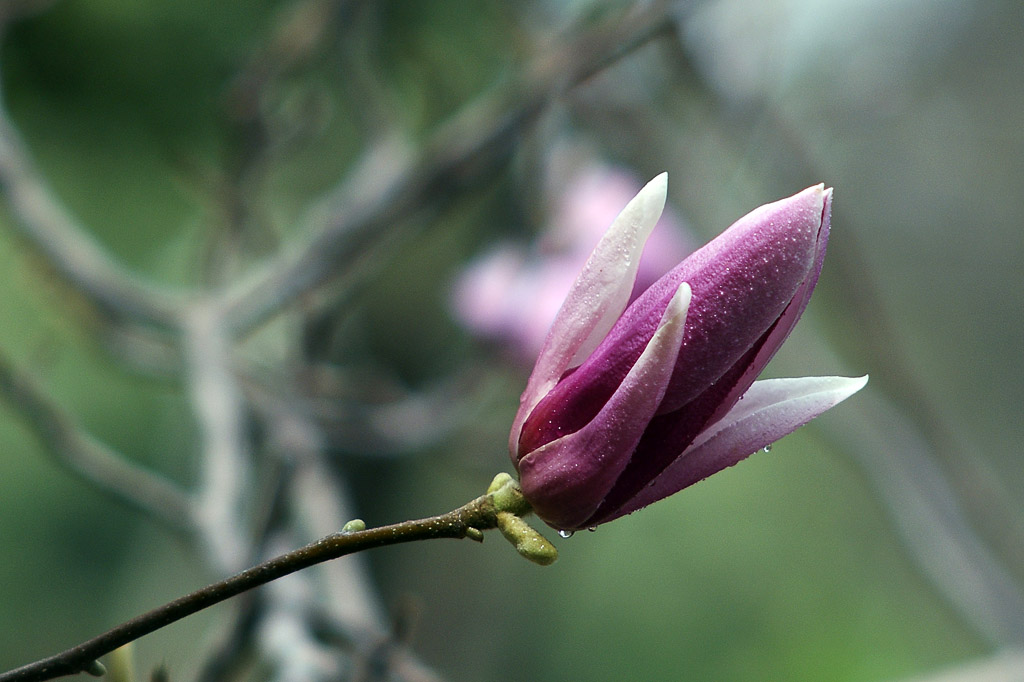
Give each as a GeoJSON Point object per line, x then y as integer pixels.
{"type": "Point", "coordinates": [780, 332]}
{"type": "Point", "coordinates": [742, 282]}
{"type": "Point", "coordinates": [771, 409]}
{"type": "Point", "coordinates": [597, 298]}
{"type": "Point", "coordinates": [566, 479]}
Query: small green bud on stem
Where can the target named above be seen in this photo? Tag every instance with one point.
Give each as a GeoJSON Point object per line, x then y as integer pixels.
{"type": "Point", "coordinates": [527, 541]}
{"type": "Point", "coordinates": [354, 526]}
{"type": "Point", "coordinates": [511, 506]}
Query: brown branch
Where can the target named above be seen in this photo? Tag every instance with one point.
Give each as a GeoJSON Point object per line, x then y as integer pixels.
{"type": "Point", "coordinates": [469, 520]}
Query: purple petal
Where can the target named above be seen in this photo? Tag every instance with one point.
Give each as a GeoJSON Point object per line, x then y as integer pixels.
{"type": "Point", "coordinates": [672, 432]}
{"type": "Point", "coordinates": [597, 298]}
{"type": "Point", "coordinates": [768, 411]}
{"type": "Point", "coordinates": [566, 479]}
{"type": "Point", "coordinates": [742, 283]}
{"type": "Point", "coordinates": [780, 332]}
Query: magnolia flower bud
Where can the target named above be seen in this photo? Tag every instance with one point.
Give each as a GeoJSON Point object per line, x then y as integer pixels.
{"type": "Point", "coordinates": [626, 406]}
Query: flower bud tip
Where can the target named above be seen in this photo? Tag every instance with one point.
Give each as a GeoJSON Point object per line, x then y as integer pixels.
{"type": "Point", "coordinates": [527, 541]}
{"type": "Point", "coordinates": [354, 526]}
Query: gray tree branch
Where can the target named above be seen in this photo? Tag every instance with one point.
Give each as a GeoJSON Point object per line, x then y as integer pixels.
{"type": "Point", "coordinates": [472, 146]}
{"type": "Point", "coordinates": [87, 457]}
{"type": "Point", "coordinates": [77, 257]}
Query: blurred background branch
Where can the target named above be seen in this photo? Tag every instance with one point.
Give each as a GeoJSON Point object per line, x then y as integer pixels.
{"type": "Point", "coordinates": [90, 459]}
{"type": "Point", "coordinates": [67, 246]}
{"type": "Point", "coordinates": [459, 157]}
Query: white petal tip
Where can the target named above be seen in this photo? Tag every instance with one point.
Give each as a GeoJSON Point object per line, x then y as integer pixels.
{"type": "Point", "coordinates": [849, 385]}
{"type": "Point", "coordinates": [828, 391]}
{"type": "Point", "coordinates": [655, 192]}
{"type": "Point", "coordinates": [658, 186]}
{"type": "Point", "coordinates": [680, 303]}
{"type": "Point", "coordinates": [674, 317]}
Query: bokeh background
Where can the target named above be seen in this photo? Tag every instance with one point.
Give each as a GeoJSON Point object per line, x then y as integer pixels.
{"type": "Point", "coordinates": [194, 142]}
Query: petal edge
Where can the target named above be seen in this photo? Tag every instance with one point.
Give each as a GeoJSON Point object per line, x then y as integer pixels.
{"type": "Point", "coordinates": [769, 410]}
{"type": "Point", "coordinates": [566, 487]}
{"type": "Point", "coordinates": [597, 297]}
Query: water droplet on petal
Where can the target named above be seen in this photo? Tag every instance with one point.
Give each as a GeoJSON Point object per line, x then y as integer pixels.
{"type": "Point", "coordinates": [592, 529]}
{"type": "Point", "coordinates": [768, 448]}
{"type": "Point", "coordinates": [566, 533]}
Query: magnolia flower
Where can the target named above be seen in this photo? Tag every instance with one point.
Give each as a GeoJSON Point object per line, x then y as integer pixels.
{"type": "Point", "coordinates": [626, 406]}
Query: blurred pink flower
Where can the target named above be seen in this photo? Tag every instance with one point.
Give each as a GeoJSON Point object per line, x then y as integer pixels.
{"type": "Point", "coordinates": [510, 294]}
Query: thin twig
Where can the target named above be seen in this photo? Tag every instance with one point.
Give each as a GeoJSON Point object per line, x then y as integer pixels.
{"type": "Point", "coordinates": [466, 521]}
{"type": "Point", "coordinates": [226, 658]}
{"type": "Point", "coordinates": [288, 640]}
{"type": "Point", "coordinates": [318, 500]}
{"type": "Point", "coordinates": [91, 459]}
